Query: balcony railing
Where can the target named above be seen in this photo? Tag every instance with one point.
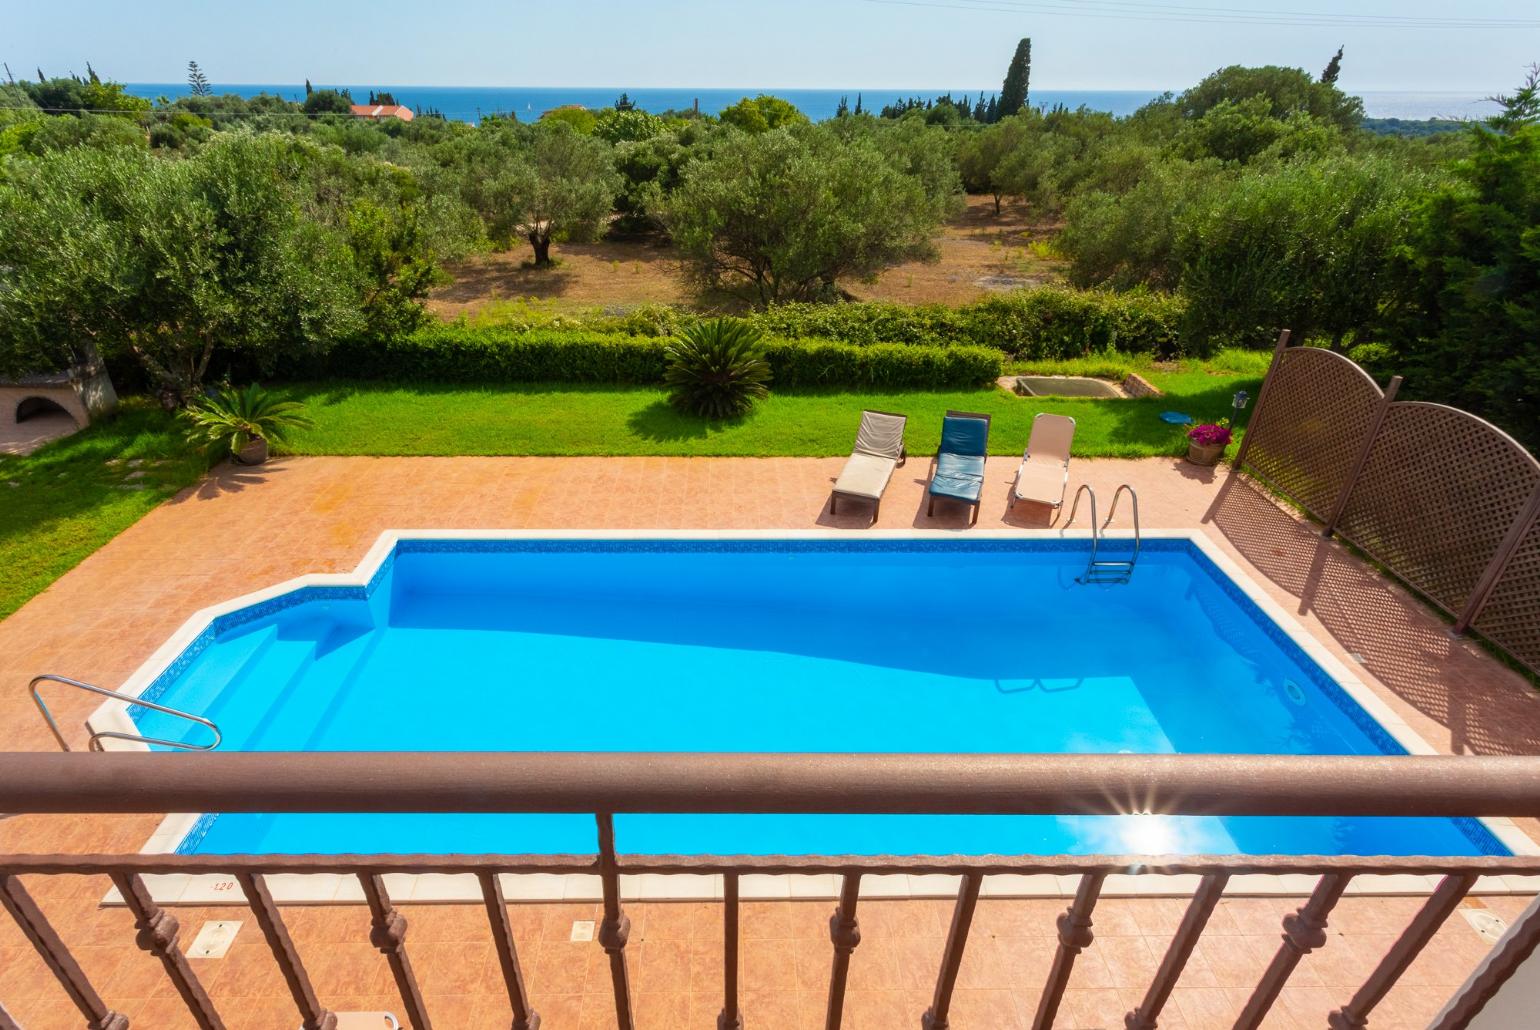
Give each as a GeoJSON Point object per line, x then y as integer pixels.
{"type": "Point", "coordinates": [608, 784]}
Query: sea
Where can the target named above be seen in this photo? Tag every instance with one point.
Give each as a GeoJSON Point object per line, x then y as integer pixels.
{"type": "Point", "coordinates": [472, 103]}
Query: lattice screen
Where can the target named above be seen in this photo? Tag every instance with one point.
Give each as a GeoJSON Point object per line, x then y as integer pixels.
{"type": "Point", "coordinates": [1319, 409]}
{"type": "Point", "coordinates": [1511, 616]}
{"type": "Point", "coordinates": [1440, 491]}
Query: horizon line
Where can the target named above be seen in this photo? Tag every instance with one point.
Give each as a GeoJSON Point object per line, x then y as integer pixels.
{"type": "Point", "coordinates": [767, 89]}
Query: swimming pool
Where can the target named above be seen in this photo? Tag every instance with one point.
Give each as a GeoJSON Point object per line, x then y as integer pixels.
{"type": "Point", "coordinates": [748, 643]}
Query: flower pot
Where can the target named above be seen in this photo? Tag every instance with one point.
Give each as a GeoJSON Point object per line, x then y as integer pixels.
{"type": "Point", "coordinates": [254, 453]}
{"type": "Point", "coordinates": [1205, 453]}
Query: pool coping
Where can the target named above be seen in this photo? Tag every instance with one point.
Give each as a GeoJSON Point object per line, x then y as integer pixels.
{"type": "Point", "coordinates": [323, 888]}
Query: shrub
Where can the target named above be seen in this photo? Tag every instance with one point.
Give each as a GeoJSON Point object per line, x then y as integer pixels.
{"type": "Point", "coordinates": [454, 354]}
{"type": "Point", "coordinates": [465, 354]}
{"type": "Point", "coordinates": [892, 366]}
{"type": "Point", "coordinates": [717, 369]}
{"type": "Point", "coordinates": [1047, 322]}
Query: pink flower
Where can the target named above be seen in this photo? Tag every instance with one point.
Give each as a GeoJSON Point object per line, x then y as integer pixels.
{"type": "Point", "coordinates": [1209, 433]}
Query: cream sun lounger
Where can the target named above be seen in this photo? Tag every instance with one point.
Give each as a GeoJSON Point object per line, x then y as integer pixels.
{"type": "Point", "coordinates": [879, 450]}
{"type": "Point", "coordinates": [1044, 472]}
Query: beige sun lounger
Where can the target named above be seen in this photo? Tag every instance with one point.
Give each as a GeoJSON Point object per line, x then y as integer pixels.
{"type": "Point", "coordinates": [1043, 475]}
{"type": "Point", "coordinates": [879, 450]}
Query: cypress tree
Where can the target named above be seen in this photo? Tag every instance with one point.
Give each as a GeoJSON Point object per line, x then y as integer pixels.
{"type": "Point", "coordinates": [843, 109]}
{"type": "Point", "coordinates": [992, 115]}
{"type": "Point", "coordinates": [858, 103]}
{"type": "Point", "coordinates": [1333, 68]}
{"type": "Point", "coordinates": [308, 90]}
{"type": "Point", "coordinates": [1013, 94]}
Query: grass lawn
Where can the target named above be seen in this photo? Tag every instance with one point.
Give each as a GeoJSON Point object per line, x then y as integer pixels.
{"type": "Point", "coordinates": [395, 418]}
{"type": "Point", "coordinates": [69, 498]}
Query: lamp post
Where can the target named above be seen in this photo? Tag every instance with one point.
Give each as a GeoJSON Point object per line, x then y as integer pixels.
{"type": "Point", "coordinates": [1238, 404]}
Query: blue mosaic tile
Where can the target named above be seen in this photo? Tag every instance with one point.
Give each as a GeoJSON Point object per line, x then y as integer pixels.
{"type": "Point", "coordinates": [776, 546]}
{"type": "Point", "coordinates": [191, 841]}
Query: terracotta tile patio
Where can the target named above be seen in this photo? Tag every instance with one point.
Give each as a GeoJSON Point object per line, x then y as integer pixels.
{"type": "Point", "coordinates": [244, 529]}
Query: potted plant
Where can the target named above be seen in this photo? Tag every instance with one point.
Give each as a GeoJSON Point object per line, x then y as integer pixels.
{"type": "Point", "coordinates": [1206, 442]}
{"type": "Point", "coordinates": [245, 423]}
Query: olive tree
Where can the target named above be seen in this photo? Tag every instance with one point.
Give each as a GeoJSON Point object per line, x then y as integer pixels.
{"type": "Point", "coordinates": [541, 183]}
{"type": "Point", "coordinates": [1307, 245]}
{"type": "Point", "coordinates": [171, 262]}
{"type": "Point", "coordinates": [786, 213]}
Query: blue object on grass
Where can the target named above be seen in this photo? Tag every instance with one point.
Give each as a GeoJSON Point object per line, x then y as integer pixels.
{"type": "Point", "coordinates": [1176, 418]}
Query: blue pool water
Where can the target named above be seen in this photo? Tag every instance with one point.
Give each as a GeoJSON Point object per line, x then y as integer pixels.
{"type": "Point", "coordinates": [780, 646]}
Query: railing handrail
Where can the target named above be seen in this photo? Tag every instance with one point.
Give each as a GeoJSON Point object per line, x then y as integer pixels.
{"type": "Point", "coordinates": [97, 736]}
{"type": "Point", "coordinates": [620, 782]}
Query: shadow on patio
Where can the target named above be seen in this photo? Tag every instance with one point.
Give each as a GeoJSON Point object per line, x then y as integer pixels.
{"type": "Point", "coordinates": [1397, 638]}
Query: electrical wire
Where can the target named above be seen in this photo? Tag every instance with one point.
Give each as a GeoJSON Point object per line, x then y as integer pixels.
{"type": "Point", "coordinates": [1128, 11]}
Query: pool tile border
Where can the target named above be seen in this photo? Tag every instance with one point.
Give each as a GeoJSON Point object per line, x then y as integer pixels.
{"type": "Point", "coordinates": [168, 661]}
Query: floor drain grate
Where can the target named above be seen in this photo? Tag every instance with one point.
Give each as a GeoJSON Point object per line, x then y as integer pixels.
{"type": "Point", "coordinates": [582, 930]}
{"type": "Point", "coordinates": [214, 939]}
{"type": "Point", "coordinates": [1484, 922]}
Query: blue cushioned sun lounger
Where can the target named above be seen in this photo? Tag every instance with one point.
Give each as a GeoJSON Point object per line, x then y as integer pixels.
{"type": "Point", "coordinates": [959, 462]}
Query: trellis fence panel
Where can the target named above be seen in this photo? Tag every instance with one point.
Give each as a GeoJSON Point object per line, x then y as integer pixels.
{"type": "Point", "coordinates": [1445, 500]}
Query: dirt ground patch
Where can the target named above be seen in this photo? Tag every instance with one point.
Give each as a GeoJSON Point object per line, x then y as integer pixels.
{"type": "Point", "coordinates": [611, 273]}
{"type": "Point", "coordinates": [981, 253]}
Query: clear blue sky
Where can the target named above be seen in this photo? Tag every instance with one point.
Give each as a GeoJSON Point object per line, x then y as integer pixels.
{"type": "Point", "coordinates": [1077, 44]}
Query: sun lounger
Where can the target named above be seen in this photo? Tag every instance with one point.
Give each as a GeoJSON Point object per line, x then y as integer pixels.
{"type": "Point", "coordinates": [878, 451]}
{"type": "Point", "coordinates": [959, 462]}
{"type": "Point", "coordinates": [1044, 472]}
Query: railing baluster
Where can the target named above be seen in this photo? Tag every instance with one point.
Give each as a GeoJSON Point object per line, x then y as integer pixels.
{"type": "Point", "coordinates": [1147, 1015]}
{"type": "Point", "coordinates": [951, 959]}
{"type": "Point", "coordinates": [615, 928]}
{"type": "Point", "coordinates": [524, 1018]}
{"type": "Point", "coordinates": [158, 932]}
{"type": "Point", "coordinates": [1355, 1014]}
{"type": "Point", "coordinates": [845, 933]}
{"type": "Point", "coordinates": [1074, 937]}
{"type": "Point", "coordinates": [1303, 932]}
{"type": "Point", "coordinates": [731, 1016]}
{"type": "Point", "coordinates": [1516, 946]}
{"type": "Point", "coordinates": [7, 1021]}
{"type": "Point", "coordinates": [260, 899]}
{"type": "Point", "coordinates": [50, 947]}
{"type": "Point", "coordinates": [388, 933]}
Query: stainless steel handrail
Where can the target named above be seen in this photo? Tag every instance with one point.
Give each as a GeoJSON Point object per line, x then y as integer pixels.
{"type": "Point", "coordinates": [1074, 508]}
{"type": "Point", "coordinates": [1113, 510]}
{"type": "Point", "coordinates": [97, 736]}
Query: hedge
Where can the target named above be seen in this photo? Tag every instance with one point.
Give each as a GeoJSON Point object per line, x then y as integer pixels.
{"type": "Point", "coordinates": [457, 354]}
{"type": "Point", "coordinates": [801, 363]}
{"type": "Point", "coordinates": [461, 354]}
{"type": "Point", "coordinates": [1046, 322]}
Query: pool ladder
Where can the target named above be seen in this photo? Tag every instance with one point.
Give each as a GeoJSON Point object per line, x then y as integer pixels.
{"type": "Point", "coordinates": [97, 736]}
{"type": "Point", "coordinates": [1096, 569]}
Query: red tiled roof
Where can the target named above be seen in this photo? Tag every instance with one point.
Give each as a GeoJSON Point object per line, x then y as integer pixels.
{"type": "Point", "coordinates": [382, 111]}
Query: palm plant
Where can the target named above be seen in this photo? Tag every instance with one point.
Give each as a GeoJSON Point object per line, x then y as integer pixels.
{"type": "Point", "coordinates": [717, 369]}
{"type": "Point", "coordinates": [235, 419]}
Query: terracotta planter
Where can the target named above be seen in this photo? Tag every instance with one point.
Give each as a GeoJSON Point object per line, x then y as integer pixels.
{"type": "Point", "coordinates": [254, 453]}
{"type": "Point", "coordinates": [1205, 454]}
